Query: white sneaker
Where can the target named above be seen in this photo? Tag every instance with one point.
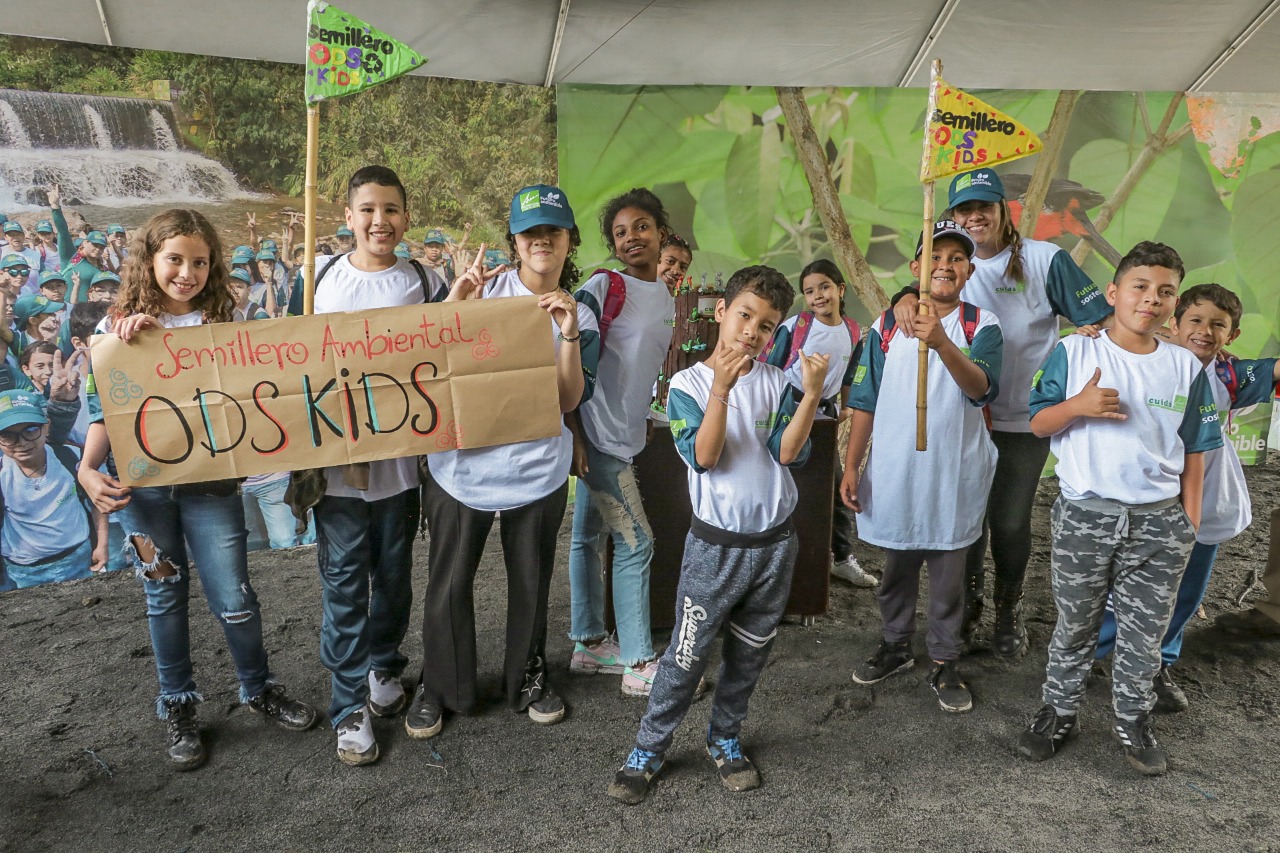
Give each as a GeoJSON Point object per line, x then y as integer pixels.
{"type": "Point", "coordinates": [849, 570]}
{"type": "Point", "coordinates": [356, 745]}
{"type": "Point", "coordinates": [386, 694]}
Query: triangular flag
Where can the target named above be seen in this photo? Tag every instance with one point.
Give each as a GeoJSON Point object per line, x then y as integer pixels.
{"type": "Point", "coordinates": [345, 55]}
{"type": "Point", "coordinates": [965, 133]}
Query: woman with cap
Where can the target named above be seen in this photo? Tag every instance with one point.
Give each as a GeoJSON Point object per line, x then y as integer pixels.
{"type": "Point", "coordinates": [90, 263]}
{"type": "Point", "coordinates": [527, 482]}
{"type": "Point", "coordinates": [1028, 284]}
{"type": "Point", "coordinates": [47, 246]}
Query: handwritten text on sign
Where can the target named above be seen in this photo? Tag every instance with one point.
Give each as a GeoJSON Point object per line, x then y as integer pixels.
{"type": "Point", "coordinates": [236, 399]}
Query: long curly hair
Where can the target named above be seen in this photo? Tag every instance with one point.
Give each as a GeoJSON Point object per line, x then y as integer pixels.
{"type": "Point", "coordinates": [140, 293]}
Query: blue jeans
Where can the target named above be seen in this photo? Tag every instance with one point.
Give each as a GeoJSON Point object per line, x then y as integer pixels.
{"type": "Point", "coordinates": [282, 527]}
{"type": "Point", "coordinates": [71, 567]}
{"type": "Point", "coordinates": [214, 525]}
{"type": "Point", "coordinates": [608, 504]}
{"type": "Point", "coordinates": [365, 552]}
{"type": "Point", "coordinates": [1195, 581]}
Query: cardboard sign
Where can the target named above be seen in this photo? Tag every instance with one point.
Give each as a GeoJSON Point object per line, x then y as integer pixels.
{"type": "Point", "coordinates": [966, 132]}
{"type": "Point", "coordinates": [232, 400]}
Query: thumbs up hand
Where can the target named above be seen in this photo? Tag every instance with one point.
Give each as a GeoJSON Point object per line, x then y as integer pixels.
{"type": "Point", "coordinates": [1094, 401]}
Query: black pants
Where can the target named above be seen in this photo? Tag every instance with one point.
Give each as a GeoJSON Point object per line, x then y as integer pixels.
{"type": "Point", "coordinates": [458, 535]}
{"type": "Point", "coordinates": [1008, 522]}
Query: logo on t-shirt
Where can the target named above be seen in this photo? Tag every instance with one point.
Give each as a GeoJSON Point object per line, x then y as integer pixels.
{"type": "Point", "coordinates": [860, 374]}
{"type": "Point", "coordinates": [1016, 287]}
{"type": "Point", "coordinates": [1177, 404]}
{"type": "Point", "coordinates": [769, 422]}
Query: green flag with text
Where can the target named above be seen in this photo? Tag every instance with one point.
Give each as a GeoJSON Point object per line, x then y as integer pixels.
{"type": "Point", "coordinates": [345, 55]}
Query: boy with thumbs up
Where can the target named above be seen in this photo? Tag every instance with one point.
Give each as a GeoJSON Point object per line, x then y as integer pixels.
{"type": "Point", "coordinates": [1130, 417]}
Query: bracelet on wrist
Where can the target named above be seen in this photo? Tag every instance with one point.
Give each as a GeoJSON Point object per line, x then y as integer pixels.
{"type": "Point", "coordinates": [560, 336]}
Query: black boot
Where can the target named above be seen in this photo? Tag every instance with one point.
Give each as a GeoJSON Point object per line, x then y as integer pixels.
{"type": "Point", "coordinates": [185, 749]}
{"type": "Point", "coordinates": [1010, 638]}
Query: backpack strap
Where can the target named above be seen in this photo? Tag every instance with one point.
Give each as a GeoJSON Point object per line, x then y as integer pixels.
{"type": "Point", "coordinates": [426, 281]}
{"type": "Point", "coordinates": [970, 316]}
{"type": "Point", "coordinates": [888, 326]}
{"type": "Point", "coordinates": [800, 334]}
{"type": "Point", "coordinates": [1226, 371]}
{"type": "Point", "coordinates": [855, 332]}
{"type": "Point", "coordinates": [71, 461]}
{"type": "Point", "coordinates": [614, 299]}
{"type": "Point", "coordinates": [295, 306]}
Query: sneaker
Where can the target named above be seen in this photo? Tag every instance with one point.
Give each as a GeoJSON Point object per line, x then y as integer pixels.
{"type": "Point", "coordinates": [274, 704]}
{"type": "Point", "coordinates": [599, 658]}
{"type": "Point", "coordinates": [1048, 731]}
{"type": "Point", "coordinates": [1169, 696]}
{"type": "Point", "coordinates": [356, 745]}
{"type": "Point", "coordinates": [1140, 748]}
{"type": "Point", "coordinates": [1252, 623]}
{"type": "Point", "coordinates": [425, 718]}
{"type": "Point", "coordinates": [638, 680]}
{"type": "Point", "coordinates": [737, 773]}
{"type": "Point", "coordinates": [185, 749]}
{"type": "Point", "coordinates": [889, 659]}
{"type": "Point", "coordinates": [953, 694]}
{"type": "Point", "coordinates": [849, 570]}
{"type": "Point", "coordinates": [1010, 637]}
{"type": "Point", "coordinates": [386, 694]}
{"type": "Point", "coordinates": [548, 710]}
{"type": "Point", "coordinates": [631, 783]}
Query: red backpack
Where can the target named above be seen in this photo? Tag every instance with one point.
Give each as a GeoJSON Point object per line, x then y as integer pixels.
{"type": "Point", "coordinates": [804, 323]}
{"type": "Point", "coordinates": [613, 301]}
{"type": "Point", "coordinates": [970, 316]}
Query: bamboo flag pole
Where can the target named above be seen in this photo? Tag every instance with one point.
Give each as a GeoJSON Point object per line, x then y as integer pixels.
{"type": "Point", "coordinates": [309, 212]}
{"type": "Point", "coordinates": [926, 267]}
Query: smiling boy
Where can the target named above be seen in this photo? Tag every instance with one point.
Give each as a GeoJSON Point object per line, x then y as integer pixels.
{"type": "Point", "coordinates": [1130, 418]}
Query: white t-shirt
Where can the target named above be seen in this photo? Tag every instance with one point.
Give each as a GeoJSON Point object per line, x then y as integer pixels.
{"type": "Point", "coordinates": [630, 359]}
{"type": "Point", "coordinates": [506, 476]}
{"type": "Point", "coordinates": [1028, 313]}
{"type": "Point", "coordinates": [748, 490]}
{"type": "Point", "coordinates": [345, 288]}
{"type": "Point", "coordinates": [43, 514]}
{"type": "Point", "coordinates": [835, 341]}
{"type": "Point", "coordinates": [930, 500]}
{"type": "Point", "coordinates": [1170, 410]}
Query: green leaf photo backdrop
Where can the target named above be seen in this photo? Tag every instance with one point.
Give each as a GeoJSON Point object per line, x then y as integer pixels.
{"type": "Point", "coordinates": [725, 165]}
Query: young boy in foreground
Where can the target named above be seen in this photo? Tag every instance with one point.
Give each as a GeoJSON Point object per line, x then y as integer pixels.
{"type": "Point", "coordinates": [1131, 417]}
{"type": "Point", "coordinates": [736, 424]}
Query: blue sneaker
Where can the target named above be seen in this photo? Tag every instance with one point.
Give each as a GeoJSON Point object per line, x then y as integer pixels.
{"type": "Point", "coordinates": [631, 782]}
{"type": "Point", "coordinates": [737, 773]}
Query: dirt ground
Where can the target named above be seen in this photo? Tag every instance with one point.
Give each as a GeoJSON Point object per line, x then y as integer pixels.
{"type": "Point", "coordinates": [846, 768]}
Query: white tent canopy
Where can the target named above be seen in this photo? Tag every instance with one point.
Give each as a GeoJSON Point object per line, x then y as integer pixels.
{"type": "Point", "coordinates": [1138, 45]}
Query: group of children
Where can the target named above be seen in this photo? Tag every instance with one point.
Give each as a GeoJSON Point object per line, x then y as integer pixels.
{"type": "Point", "coordinates": [1132, 419]}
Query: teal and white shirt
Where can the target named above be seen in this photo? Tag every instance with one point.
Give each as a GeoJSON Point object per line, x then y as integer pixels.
{"type": "Point", "coordinates": [1227, 509]}
{"type": "Point", "coordinates": [1028, 311]}
{"type": "Point", "coordinates": [1169, 409]}
{"type": "Point", "coordinates": [748, 490]}
{"type": "Point", "coordinates": [930, 500]}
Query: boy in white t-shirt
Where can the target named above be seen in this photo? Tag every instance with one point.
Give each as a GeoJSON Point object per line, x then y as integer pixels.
{"type": "Point", "coordinates": [925, 506]}
{"type": "Point", "coordinates": [737, 425]}
{"type": "Point", "coordinates": [1131, 418]}
{"type": "Point", "coordinates": [1206, 320]}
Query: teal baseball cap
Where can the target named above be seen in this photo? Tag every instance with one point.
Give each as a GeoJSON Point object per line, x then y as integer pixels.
{"type": "Point", "coordinates": [53, 275]}
{"type": "Point", "coordinates": [97, 238]}
{"type": "Point", "coordinates": [33, 305]}
{"type": "Point", "coordinates": [265, 255]}
{"type": "Point", "coordinates": [978, 185]}
{"type": "Point", "coordinates": [115, 229]}
{"type": "Point", "coordinates": [540, 205]}
{"type": "Point", "coordinates": [435, 235]}
{"type": "Point", "coordinates": [21, 407]}
{"type": "Point", "coordinates": [13, 261]}
{"type": "Point", "coordinates": [402, 251]}
{"type": "Point", "coordinates": [344, 231]}
{"type": "Point", "coordinates": [44, 226]}
{"type": "Point", "coordinates": [241, 255]}
{"type": "Point", "coordinates": [105, 275]}
{"type": "Point", "coordinates": [12, 225]}
{"type": "Point", "coordinates": [496, 258]}
{"type": "Point", "coordinates": [242, 275]}
{"type": "Point", "coordinates": [268, 243]}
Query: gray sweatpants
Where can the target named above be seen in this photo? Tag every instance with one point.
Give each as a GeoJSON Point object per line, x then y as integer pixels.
{"type": "Point", "coordinates": [1137, 554]}
{"type": "Point", "coordinates": [900, 588]}
{"type": "Point", "coordinates": [724, 588]}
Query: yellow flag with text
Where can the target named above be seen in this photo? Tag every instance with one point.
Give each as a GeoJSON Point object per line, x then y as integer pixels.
{"type": "Point", "coordinates": [966, 132]}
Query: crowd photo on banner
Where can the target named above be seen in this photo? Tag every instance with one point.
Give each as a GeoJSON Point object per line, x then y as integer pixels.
{"type": "Point", "coordinates": [995, 355]}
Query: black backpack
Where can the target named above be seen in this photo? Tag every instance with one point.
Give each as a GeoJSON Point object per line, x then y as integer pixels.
{"type": "Point", "coordinates": [295, 298]}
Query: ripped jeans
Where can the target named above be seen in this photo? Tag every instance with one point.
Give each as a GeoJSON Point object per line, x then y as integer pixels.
{"type": "Point", "coordinates": [608, 503]}
{"type": "Point", "coordinates": [215, 532]}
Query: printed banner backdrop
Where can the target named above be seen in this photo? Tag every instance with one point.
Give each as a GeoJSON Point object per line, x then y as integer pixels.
{"type": "Point", "coordinates": [233, 400]}
{"type": "Point", "coordinates": [725, 166]}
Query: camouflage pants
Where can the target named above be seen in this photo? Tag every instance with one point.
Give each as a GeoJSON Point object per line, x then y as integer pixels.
{"type": "Point", "coordinates": [1137, 554]}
